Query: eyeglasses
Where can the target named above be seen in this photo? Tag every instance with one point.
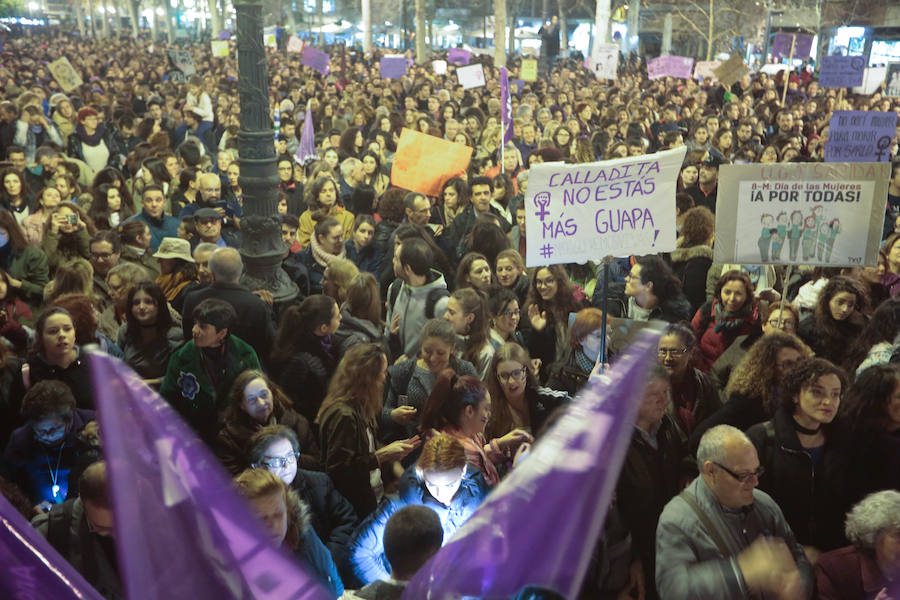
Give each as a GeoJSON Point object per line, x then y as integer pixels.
{"type": "Point", "coordinates": [511, 313]}
{"type": "Point", "coordinates": [516, 374]}
{"type": "Point", "coordinates": [278, 462]}
{"type": "Point", "coordinates": [675, 352]}
{"type": "Point", "coordinates": [785, 323]}
{"type": "Point", "coordinates": [746, 476]}
{"type": "Point", "coordinates": [101, 255]}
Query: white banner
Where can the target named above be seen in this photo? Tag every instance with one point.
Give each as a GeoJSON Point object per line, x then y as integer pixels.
{"type": "Point", "coordinates": [576, 213]}
{"type": "Point", "coordinates": [604, 61]}
{"type": "Point", "coordinates": [470, 76]}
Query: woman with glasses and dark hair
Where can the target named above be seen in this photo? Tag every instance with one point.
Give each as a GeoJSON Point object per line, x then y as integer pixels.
{"type": "Point", "coordinates": [276, 449]}
{"type": "Point", "coordinates": [255, 401]}
{"type": "Point", "coordinates": [804, 453]}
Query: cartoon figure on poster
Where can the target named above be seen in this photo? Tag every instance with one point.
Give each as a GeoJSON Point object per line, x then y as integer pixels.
{"type": "Point", "coordinates": [892, 80]}
{"type": "Point", "coordinates": [814, 234]}
{"type": "Point", "coordinates": [765, 238]}
{"type": "Point", "coordinates": [795, 234]}
{"type": "Point", "coordinates": [781, 230]}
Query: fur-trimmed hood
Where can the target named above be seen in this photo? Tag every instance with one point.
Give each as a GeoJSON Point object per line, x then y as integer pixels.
{"type": "Point", "coordinates": [680, 254]}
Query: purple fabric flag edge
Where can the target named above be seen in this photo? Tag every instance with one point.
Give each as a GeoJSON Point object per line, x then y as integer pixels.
{"type": "Point", "coordinates": [480, 559]}
{"type": "Point", "coordinates": [23, 548]}
{"type": "Point", "coordinates": [306, 151]}
{"type": "Point", "coordinates": [505, 106]}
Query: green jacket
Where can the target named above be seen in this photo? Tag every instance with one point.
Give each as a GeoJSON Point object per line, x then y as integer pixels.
{"type": "Point", "coordinates": [189, 389]}
{"type": "Point", "coordinates": [29, 265]}
{"type": "Point", "coordinates": [56, 255]}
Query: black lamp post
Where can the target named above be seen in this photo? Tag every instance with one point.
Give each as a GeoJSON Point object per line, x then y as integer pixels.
{"type": "Point", "coordinates": [262, 249]}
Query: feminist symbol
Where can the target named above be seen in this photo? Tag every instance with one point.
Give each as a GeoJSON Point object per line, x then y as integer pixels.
{"type": "Point", "coordinates": [883, 144]}
{"type": "Point", "coordinates": [542, 201]}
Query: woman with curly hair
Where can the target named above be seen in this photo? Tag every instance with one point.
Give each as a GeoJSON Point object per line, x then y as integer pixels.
{"type": "Point", "coordinates": [287, 520]}
{"type": "Point", "coordinates": [254, 402]}
{"type": "Point", "coordinates": [693, 253]}
{"type": "Point", "coordinates": [347, 421]}
{"type": "Point", "coordinates": [551, 297]}
{"type": "Point", "coordinates": [109, 208]}
{"type": "Point", "coordinates": [323, 200]}
{"type": "Point", "coordinates": [871, 412]}
{"type": "Point", "coordinates": [733, 312]}
{"type": "Point", "coordinates": [804, 454]}
{"type": "Point", "coordinates": [838, 319]}
{"type": "Point", "coordinates": [756, 385]}
{"type": "Point", "coordinates": [875, 343]}
{"type": "Point", "coordinates": [453, 200]}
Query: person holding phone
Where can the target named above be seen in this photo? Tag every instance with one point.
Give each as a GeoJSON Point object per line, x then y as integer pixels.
{"type": "Point", "coordinates": [68, 234]}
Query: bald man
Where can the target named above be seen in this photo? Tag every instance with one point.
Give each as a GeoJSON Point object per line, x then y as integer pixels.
{"type": "Point", "coordinates": [210, 187]}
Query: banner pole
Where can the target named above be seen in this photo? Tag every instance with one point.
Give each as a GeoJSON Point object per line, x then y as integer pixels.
{"type": "Point", "coordinates": [787, 76]}
{"type": "Point", "coordinates": [605, 309]}
{"type": "Point", "coordinates": [787, 277]}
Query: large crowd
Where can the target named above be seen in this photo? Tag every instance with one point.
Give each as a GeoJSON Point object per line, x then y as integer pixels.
{"type": "Point", "coordinates": [421, 359]}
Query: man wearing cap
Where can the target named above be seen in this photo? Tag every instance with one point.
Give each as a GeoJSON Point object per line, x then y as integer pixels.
{"type": "Point", "coordinates": [704, 191]}
{"type": "Point", "coordinates": [208, 222]}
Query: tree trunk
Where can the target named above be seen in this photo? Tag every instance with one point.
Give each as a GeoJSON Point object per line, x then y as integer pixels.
{"type": "Point", "coordinates": [667, 35]}
{"type": "Point", "coordinates": [563, 31]}
{"type": "Point", "coordinates": [134, 14]}
{"type": "Point", "coordinates": [367, 26]}
{"type": "Point", "coordinates": [104, 22]}
{"type": "Point", "coordinates": [500, 33]}
{"type": "Point", "coordinates": [710, 31]}
{"type": "Point", "coordinates": [167, 15]}
{"type": "Point", "coordinates": [91, 17]}
{"type": "Point", "coordinates": [601, 23]}
{"type": "Point", "coordinates": [79, 14]}
{"type": "Point", "coordinates": [634, 26]}
{"type": "Point", "coordinates": [420, 31]}
{"type": "Point", "coordinates": [512, 32]}
{"type": "Point", "coordinates": [215, 19]}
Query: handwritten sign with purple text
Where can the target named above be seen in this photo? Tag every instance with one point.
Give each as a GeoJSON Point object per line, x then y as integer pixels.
{"type": "Point", "coordinates": [860, 136]}
{"type": "Point", "coordinates": [576, 213]}
{"type": "Point", "coordinates": [393, 66]}
{"type": "Point", "coordinates": [841, 71]}
{"type": "Point", "coordinates": [670, 66]}
{"type": "Point", "coordinates": [315, 59]}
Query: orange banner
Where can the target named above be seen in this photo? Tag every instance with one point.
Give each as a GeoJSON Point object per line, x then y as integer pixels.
{"type": "Point", "coordinates": [423, 163]}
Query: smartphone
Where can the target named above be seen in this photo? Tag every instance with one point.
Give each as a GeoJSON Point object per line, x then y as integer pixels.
{"type": "Point", "coordinates": [72, 219]}
{"type": "Point", "coordinates": [403, 399]}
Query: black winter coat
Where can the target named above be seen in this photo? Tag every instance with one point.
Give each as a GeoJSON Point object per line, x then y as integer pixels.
{"type": "Point", "coordinates": [691, 265]}
{"type": "Point", "coordinates": [333, 516]}
{"type": "Point", "coordinates": [254, 319]}
{"type": "Point", "coordinates": [670, 310]}
{"type": "Point", "coordinates": [304, 376]}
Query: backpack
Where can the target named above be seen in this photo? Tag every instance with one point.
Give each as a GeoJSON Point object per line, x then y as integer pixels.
{"type": "Point", "coordinates": [431, 300]}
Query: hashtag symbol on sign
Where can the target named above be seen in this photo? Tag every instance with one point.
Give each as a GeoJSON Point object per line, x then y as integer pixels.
{"type": "Point", "coordinates": [546, 250]}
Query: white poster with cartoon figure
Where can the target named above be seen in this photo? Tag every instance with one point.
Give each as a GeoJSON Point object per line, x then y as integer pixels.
{"type": "Point", "coordinates": [803, 222]}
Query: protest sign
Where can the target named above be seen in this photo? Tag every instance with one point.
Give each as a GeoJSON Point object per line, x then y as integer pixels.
{"type": "Point", "coordinates": [781, 45]}
{"type": "Point", "coordinates": [270, 36]}
{"type": "Point", "coordinates": [470, 76]}
{"type": "Point", "coordinates": [295, 44]}
{"type": "Point", "coordinates": [731, 70]}
{"type": "Point", "coordinates": [669, 66]}
{"type": "Point", "coordinates": [584, 212]}
{"type": "Point", "coordinates": [872, 80]}
{"type": "Point", "coordinates": [182, 60]}
{"type": "Point", "coordinates": [604, 61]}
{"type": "Point", "coordinates": [892, 80]}
{"type": "Point", "coordinates": [516, 85]}
{"type": "Point", "coordinates": [860, 136]}
{"type": "Point", "coordinates": [315, 59]}
{"type": "Point", "coordinates": [529, 69]}
{"type": "Point", "coordinates": [439, 66]}
{"type": "Point", "coordinates": [841, 71]}
{"type": "Point", "coordinates": [225, 34]}
{"type": "Point", "coordinates": [458, 56]}
{"type": "Point", "coordinates": [423, 163]}
{"type": "Point", "coordinates": [219, 48]}
{"type": "Point", "coordinates": [64, 74]}
{"type": "Point", "coordinates": [826, 214]}
{"type": "Point", "coordinates": [393, 66]}
{"type": "Point", "coordinates": [704, 70]}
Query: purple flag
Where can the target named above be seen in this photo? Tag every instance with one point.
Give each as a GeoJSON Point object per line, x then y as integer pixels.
{"type": "Point", "coordinates": [505, 106]}
{"type": "Point", "coordinates": [182, 531]}
{"type": "Point", "coordinates": [31, 567]}
{"type": "Point", "coordinates": [393, 66]}
{"type": "Point", "coordinates": [306, 151]}
{"type": "Point", "coordinates": [458, 56]}
{"type": "Point", "coordinates": [571, 474]}
{"type": "Point", "coordinates": [781, 45]}
{"type": "Point", "coordinates": [315, 59]}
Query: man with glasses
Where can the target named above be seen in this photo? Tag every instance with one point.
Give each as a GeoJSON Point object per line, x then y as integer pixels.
{"type": "Point", "coordinates": [723, 538]}
{"type": "Point", "coordinates": [82, 530]}
{"type": "Point", "coordinates": [106, 249]}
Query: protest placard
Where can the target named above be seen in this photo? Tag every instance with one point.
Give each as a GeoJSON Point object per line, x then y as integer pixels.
{"type": "Point", "coordinates": [892, 80]}
{"type": "Point", "coordinates": [424, 163]}
{"type": "Point", "coordinates": [219, 48]}
{"type": "Point", "coordinates": [826, 214]}
{"type": "Point", "coordinates": [393, 66]}
{"type": "Point", "coordinates": [731, 70]}
{"type": "Point", "coordinates": [860, 136]}
{"type": "Point", "coordinates": [841, 71]}
{"type": "Point", "coordinates": [458, 56]}
{"type": "Point", "coordinates": [270, 36]}
{"type": "Point", "coordinates": [872, 80]}
{"type": "Point", "coordinates": [581, 212]}
{"type": "Point", "coordinates": [781, 45]}
{"type": "Point", "coordinates": [315, 59]}
{"type": "Point", "coordinates": [439, 66]}
{"type": "Point", "coordinates": [669, 66]}
{"type": "Point", "coordinates": [182, 60]}
{"type": "Point", "coordinates": [529, 69]}
{"type": "Point", "coordinates": [295, 44]}
{"type": "Point", "coordinates": [64, 74]}
{"type": "Point", "coordinates": [604, 61]}
{"type": "Point", "coordinates": [704, 70]}
{"type": "Point", "coordinates": [470, 76]}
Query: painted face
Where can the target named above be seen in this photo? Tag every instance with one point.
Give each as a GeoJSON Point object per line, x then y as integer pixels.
{"type": "Point", "coordinates": [512, 376]}
{"type": "Point", "coordinates": [273, 513]}
{"type": "Point", "coordinates": [546, 284]}
{"type": "Point", "coordinates": [58, 335]}
{"type": "Point", "coordinates": [144, 308]}
{"type": "Point", "coordinates": [435, 353]}
{"type": "Point", "coordinates": [842, 305]}
{"type": "Point", "coordinates": [819, 401]}
{"type": "Point", "coordinates": [258, 402]}
{"type": "Point", "coordinates": [733, 296]}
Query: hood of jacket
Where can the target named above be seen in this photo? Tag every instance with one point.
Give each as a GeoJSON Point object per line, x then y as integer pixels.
{"type": "Point", "coordinates": [685, 254]}
{"type": "Point", "coordinates": [351, 324]}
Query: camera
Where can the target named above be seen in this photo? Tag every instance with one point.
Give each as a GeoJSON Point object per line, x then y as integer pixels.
{"type": "Point", "coordinates": [72, 219]}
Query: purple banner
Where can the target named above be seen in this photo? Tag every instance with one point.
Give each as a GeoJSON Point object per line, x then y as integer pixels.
{"type": "Point", "coordinates": [781, 45]}
{"type": "Point", "coordinates": [393, 67]}
{"type": "Point", "coordinates": [505, 106]}
{"type": "Point", "coordinates": [670, 66]}
{"type": "Point", "coordinates": [32, 569]}
{"type": "Point", "coordinates": [225, 34]}
{"type": "Point", "coordinates": [860, 136]}
{"type": "Point", "coordinates": [841, 71]}
{"type": "Point", "coordinates": [458, 56]}
{"type": "Point", "coordinates": [571, 475]}
{"type": "Point", "coordinates": [315, 59]}
{"type": "Point", "coordinates": [182, 531]}
{"type": "Point", "coordinates": [306, 151]}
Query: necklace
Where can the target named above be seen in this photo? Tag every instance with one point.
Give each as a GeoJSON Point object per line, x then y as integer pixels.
{"type": "Point", "coordinates": [805, 430]}
{"type": "Point", "coordinates": [54, 474]}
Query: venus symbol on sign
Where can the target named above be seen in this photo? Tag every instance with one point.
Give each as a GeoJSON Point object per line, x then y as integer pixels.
{"type": "Point", "coordinates": [542, 201]}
